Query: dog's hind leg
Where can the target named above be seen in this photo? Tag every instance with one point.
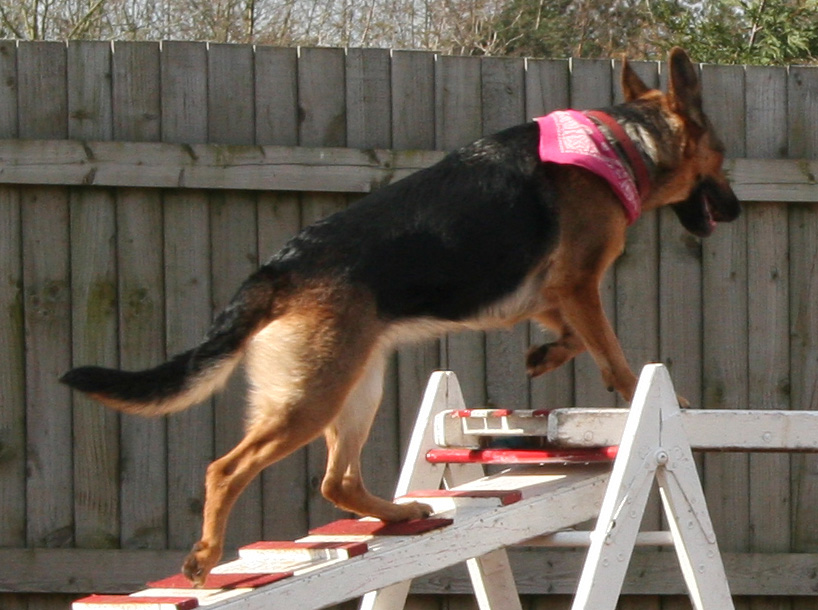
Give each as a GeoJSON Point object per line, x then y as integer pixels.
{"type": "Point", "coordinates": [343, 484]}
{"type": "Point", "coordinates": [227, 477]}
{"type": "Point", "coordinates": [301, 369]}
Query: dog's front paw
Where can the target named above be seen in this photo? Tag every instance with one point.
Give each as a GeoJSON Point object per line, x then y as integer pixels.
{"type": "Point", "coordinates": [201, 559]}
{"type": "Point", "coordinates": [536, 361]}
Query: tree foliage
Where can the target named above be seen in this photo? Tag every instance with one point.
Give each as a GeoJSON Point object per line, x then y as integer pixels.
{"type": "Point", "coordinates": [759, 32]}
{"type": "Point", "coordinates": [735, 31]}
{"type": "Point", "coordinates": [731, 31]}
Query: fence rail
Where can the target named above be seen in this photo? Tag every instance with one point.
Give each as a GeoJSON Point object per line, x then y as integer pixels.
{"type": "Point", "coordinates": [140, 182]}
{"type": "Point", "coordinates": [292, 168]}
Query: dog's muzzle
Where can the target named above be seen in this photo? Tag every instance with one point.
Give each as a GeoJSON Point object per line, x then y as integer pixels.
{"type": "Point", "coordinates": [710, 202]}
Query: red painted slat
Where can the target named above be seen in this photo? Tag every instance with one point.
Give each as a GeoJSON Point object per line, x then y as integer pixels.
{"type": "Point", "coordinates": [360, 527]}
{"type": "Point", "coordinates": [98, 602]}
{"type": "Point", "coordinates": [520, 456]}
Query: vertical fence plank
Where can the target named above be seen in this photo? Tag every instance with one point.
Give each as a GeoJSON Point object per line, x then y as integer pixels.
{"type": "Point", "coordinates": [680, 299]}
{"type": "Point", "coordinates": [276, 96]}
{"type": "Point", "coordinates": [725, 355]}
{"type": "Point", "coordinates": [591, 87]}
{"type": "Point", "coordinates": [637, 272]}
{"type": "Point", "coordinates": [458, 116]}
{"type": "Point", "coordinates": [12, 366]}
{"type": "Point", "coordinates": [413, 100]}
{"type": "Point", "coordinates": [413, 127]}
{"type": "Point", "coordinates": [368, 98]}
{"type": "Point", "coordinates": [503, 104]}
{"type": "Point", "coordinates": [803, 229]}
{"type": "Point", "coordinates": [93, 288]}
{"type": "Point", "coordinates": [768, 318]}
{"type": "Point", "coordinates": [322, 108]}
{"type": "Point", "coordinates": [141, 293]}
{"type": "Point", "coordinates": [46, 281]}
{"type": "Point", "coordinates": [321, 97]}
{"type": "Point", "coordinates": [234, 253]}
{"type": "Point", "coordinates": [187, 285]}
{"type": "Point", "coordinates": [49, 495]}
{"type": "Point", "coordinates": [547, 88]}
{"type": "Point", "coordinates": [637, 308]}
{"type": "Point", "coordinates": [279, 217]}
{"type": "Point", "coordinates": [369, 125]}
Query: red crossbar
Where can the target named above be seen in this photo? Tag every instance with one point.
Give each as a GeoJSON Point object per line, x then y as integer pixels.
{"type": "Point", "coordinates": [520, 456]}
{"type": "Point", "coordinates": [487, 412]}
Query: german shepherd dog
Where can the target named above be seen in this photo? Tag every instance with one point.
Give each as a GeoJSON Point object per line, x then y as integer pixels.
{"type": "Point", "coordinates": [486, 238]}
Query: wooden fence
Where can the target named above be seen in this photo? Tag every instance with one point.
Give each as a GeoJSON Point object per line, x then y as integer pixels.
{"type": "Point", "coordinates": [139, 183]}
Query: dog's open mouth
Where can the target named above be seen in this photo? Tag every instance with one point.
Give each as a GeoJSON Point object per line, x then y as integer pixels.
{"type": "Point", "coordinates": [708, 204]}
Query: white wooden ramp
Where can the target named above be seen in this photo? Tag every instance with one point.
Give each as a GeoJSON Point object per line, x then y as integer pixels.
{"type": "Point", "coordinates": [474, 516]}
{"type": "Point", "coordinates": [560, 477]}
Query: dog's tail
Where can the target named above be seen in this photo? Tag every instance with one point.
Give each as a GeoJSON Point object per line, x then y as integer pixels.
{"type": "Point", "coordinates": [191, 376]}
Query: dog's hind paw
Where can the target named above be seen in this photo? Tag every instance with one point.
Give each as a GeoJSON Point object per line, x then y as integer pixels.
{"type": "Point", "coordinates": [413, 510]}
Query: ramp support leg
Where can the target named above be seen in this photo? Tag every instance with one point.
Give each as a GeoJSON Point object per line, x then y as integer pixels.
{"type": "Point", "coordinates": [491, 574]}
{"type": "Point", "coordinates": [654, 446]}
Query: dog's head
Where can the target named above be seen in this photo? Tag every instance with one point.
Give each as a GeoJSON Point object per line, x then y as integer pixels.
{"type": "Point", "coordinates": [696, 188]}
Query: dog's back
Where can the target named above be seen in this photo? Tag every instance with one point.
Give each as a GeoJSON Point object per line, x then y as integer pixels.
{"type": "Point", "coordinates": [445, 242]}
{"type": "Point", "coordinates": [441, 245]}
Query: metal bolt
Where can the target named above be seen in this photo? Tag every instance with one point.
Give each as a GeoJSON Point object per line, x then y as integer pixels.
{"type": "Point", "coordinates": [662, 457]}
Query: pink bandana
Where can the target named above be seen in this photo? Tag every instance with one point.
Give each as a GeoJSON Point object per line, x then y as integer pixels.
{"type": "Point", "coordinates": [569, 137]}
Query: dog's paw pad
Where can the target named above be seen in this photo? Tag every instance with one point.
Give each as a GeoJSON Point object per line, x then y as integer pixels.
{"type": "Point", "coordinates": [536, 361]}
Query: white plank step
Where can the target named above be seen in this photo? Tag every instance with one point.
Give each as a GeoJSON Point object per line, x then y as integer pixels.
{"type": "Point", "coordinates": [551, 503]}
{"type": "Point", "coordinates": [712, 430]}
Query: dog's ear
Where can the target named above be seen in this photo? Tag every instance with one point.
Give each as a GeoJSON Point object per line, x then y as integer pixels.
{"type": "Point", "coordinates": [685, 90]}
{"type": "Point", "coordinates": [633, 87]}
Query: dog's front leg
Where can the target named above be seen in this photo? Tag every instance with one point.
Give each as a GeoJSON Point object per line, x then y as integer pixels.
{"type": "Point", "coordinates": [543, 358]}
{"type": "Point", "coordinates": [582, 309]}
{"type": "Point", "coordinates": [592, 236]}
